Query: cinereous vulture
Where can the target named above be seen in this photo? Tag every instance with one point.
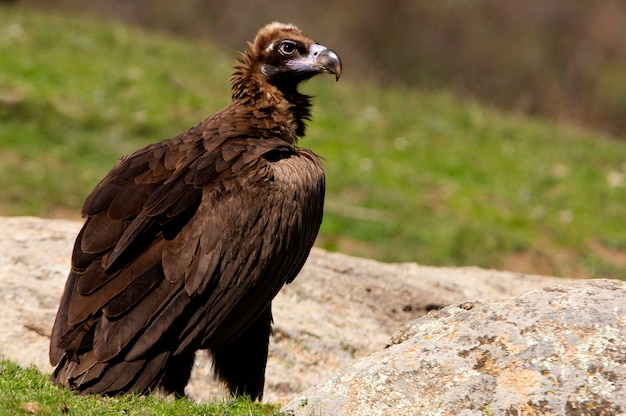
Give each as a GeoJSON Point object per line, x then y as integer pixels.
{"type": "Point", "coordinates": [187, 241]}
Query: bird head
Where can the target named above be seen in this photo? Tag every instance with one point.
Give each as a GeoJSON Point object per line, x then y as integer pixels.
{"type": "Point", "coordinates": [286, 56]}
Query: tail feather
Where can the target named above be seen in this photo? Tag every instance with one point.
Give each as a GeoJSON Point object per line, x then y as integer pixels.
{"type": "Point", "coordinates": [86, 375]}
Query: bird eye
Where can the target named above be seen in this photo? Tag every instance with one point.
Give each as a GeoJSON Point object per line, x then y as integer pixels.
{"type": "Point", "coordinates": [287, 48]}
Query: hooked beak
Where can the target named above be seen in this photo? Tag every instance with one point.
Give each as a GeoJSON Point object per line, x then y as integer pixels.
{"type": "Point", "coordinates": [321, 60]}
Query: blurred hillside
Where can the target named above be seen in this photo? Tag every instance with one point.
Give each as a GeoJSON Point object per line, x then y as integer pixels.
{"type": "Point", "coordinates": [562, 59]}
{"type": "Point", "coordinates": [413, 175]}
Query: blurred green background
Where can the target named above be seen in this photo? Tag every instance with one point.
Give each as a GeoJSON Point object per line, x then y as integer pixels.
{"type": "Point", "coordinates": [462, 133]}
{"type": "Point", "coordinates": [561, 59]}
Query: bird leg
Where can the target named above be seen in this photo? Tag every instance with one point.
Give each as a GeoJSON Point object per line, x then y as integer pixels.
{"type": "Point", "coordinates": [241, 364]}
{"type": "Point", "coordinates": [176, 374]}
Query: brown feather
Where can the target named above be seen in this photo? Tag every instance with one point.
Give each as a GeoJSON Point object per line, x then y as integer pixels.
{"type": "Point", "coordinates": [82, 307]}
{"type": "Point", "coordinates": [136, 290]}
{"type": "Point", "coordinates": [112, 336]}
{"type": "Point", "coordinates": [79, 337]}
{"type": "Point", "coordinates": [130, 200]}
{"type": "Point", "coordinates": [101, 234]}
{"type": "Point", "coordinates": [100, 198]}
{"type": "Point", "coordinates": [150, 375]}
{"type": "Point", "coordinates": [165, 315]}
{"type": "Point", "coordinates": [116, 378]}
{"type": "Point", "coordinates": [96, 278]}
{"type": "Point", "coordinates": [188, 240]}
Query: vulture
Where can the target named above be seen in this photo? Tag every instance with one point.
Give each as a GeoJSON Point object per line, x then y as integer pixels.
{"type": "Point", "coordinates": [187, 241]}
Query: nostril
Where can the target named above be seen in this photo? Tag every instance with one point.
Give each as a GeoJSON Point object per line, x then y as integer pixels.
{"type": "Point", "coordinates": [315, 51]}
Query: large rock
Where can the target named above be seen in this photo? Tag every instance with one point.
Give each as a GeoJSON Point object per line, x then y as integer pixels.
{"type": "Point", "coordinates": [555, 351]}
{"type": "Point", "coordinates": [339, 309]}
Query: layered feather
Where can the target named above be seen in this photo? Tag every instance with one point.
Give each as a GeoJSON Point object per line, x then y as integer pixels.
{"type": "Point", "coordinates": [187, 241]}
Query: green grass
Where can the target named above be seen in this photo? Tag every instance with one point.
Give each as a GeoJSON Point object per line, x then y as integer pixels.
{"type": "Point", "coordinates": [411, 176]}
{"type": "Point", "coordinates": [28, 392]}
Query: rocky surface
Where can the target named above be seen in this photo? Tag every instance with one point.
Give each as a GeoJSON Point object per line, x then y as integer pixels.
{"type": "Point", "coordinates": [339, 310]}
{"type": "Point", "coordinates": [560, 350]}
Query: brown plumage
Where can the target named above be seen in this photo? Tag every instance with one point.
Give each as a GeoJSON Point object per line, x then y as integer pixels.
{"type": "Point", "coordinates": [187, 241]}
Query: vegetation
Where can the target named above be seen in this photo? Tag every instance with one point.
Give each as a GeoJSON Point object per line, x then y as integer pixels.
{"type": "Point", "coordinates": [28, 392]}
{"type": "Point", "coordinates": [562, 59]}
{"type": "Point", "coordinates": [412, 176]}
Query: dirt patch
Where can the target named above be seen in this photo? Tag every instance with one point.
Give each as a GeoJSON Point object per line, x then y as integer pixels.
{"type": "Point", "coordinates": [609, 254]}
{"type": "Point", "coordinates": [547, 261]}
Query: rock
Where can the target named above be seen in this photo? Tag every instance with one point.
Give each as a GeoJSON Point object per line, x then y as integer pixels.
{"type": "Point", "coordinates": [339, 309]}
{"type": "Point", "coordinates": [560, 350]}
{"type": "Point", "coordinates": [34, 261]}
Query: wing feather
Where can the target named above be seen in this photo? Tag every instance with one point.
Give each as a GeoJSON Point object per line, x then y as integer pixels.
{"type": "Point", "coordinates": [100, 234]}
{"type": "Point", "coordinates": [169, 263]}
{"type": "Point", "coordinates": [81, 307]}
{"type": "Point", "coordinates": [117, 377]}
{"type": "Point", "coordinates": [129, 201]}
{"type": "Point", "coordinates": [96, 277]}
{"type": "Point", "coordinates": [80, 337]}
{"type": "Point", "coordinates": [101, 197]}
{"type": "Point", "coordinates": [133, 293]}
{"type": "Point", "coordinates": [149, 319]}
{"type": "Point", "coordinates": [172, 307]}
{"type": "Point", "coordinates": [178, 254]}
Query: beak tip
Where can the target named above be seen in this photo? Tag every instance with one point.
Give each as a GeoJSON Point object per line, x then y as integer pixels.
{"type": "Point", "coordinates": [330, 62]}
